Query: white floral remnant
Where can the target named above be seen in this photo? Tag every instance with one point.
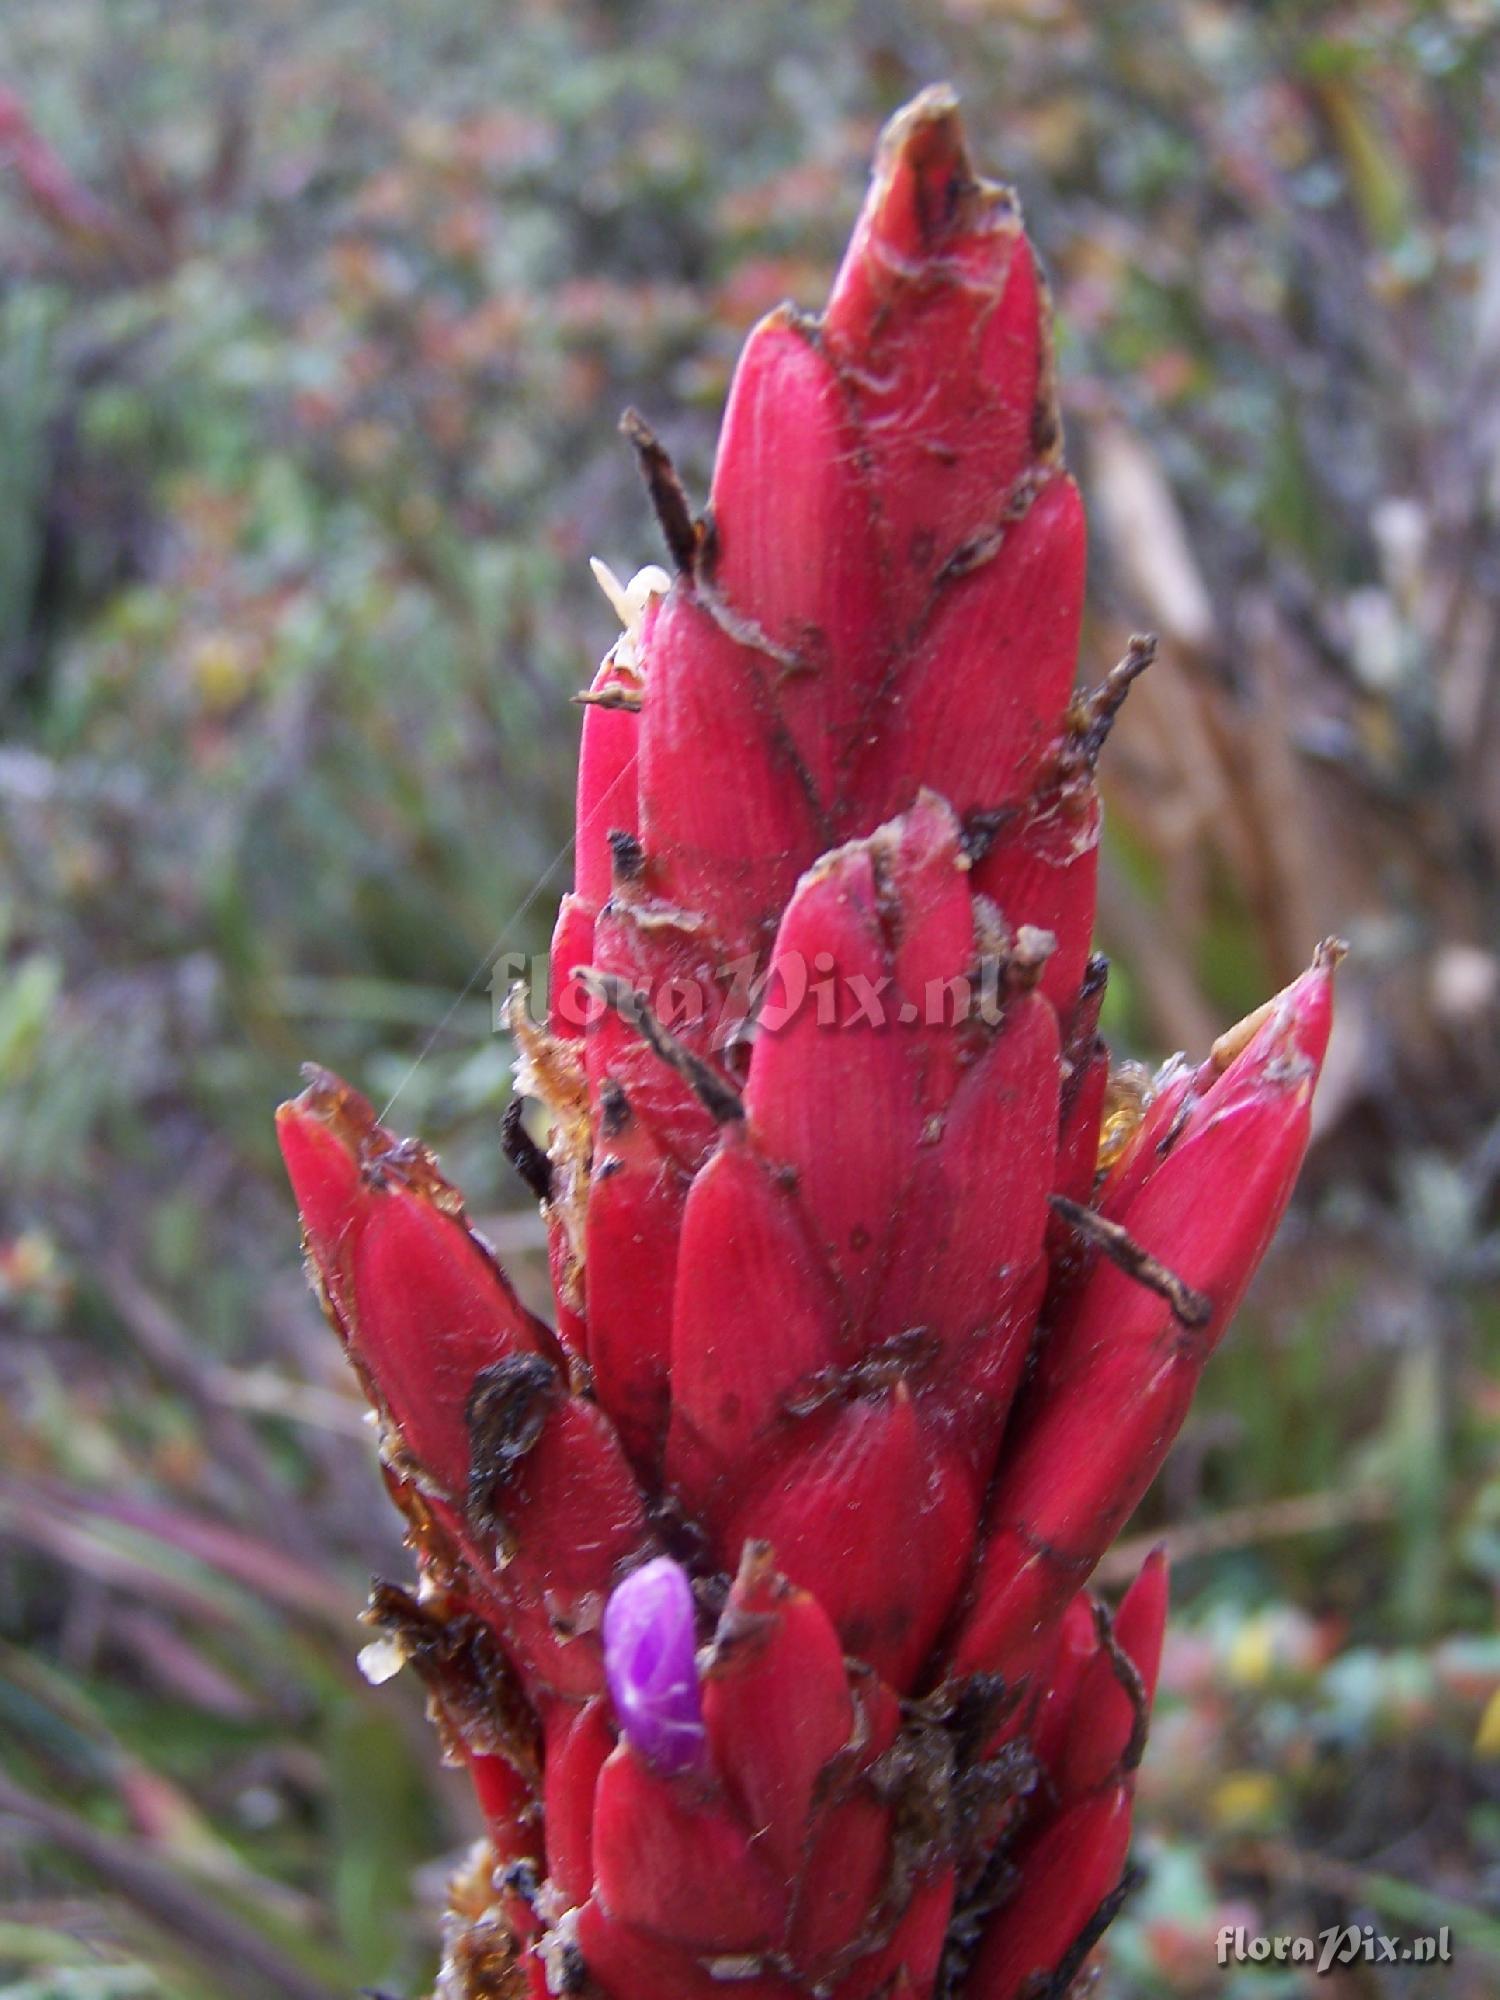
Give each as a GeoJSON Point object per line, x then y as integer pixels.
{"type": "Point", "coordinates": [629, 602]}
{"type": "Point", "coordinates": [381, 1660]}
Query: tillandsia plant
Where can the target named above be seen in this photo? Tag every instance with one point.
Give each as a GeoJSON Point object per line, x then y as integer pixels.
{"type": "Point", "coordinates": [753, 1589]}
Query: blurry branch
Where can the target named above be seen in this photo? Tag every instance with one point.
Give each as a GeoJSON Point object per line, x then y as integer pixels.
{"type": "Point", "coordinates": [137, 235]}
{"type": "Point", "coordinates": [1130, 928]}
{"type": "Point", "coordinates": [123, 1542]}
{"type": "Point", "coordinates": [79, 1742]}
{"type": "Point", "coordinates": [270, 1394]}
{"type": "Point", "coordinates": [388, 1002]}
{"type": "Point", "coordinates": [1245, 1527]}
{"type": "Point", "coordinates": [1332, 755]}
{"type": "Point", "coordinates": [1365, 1889]}
{"type": "Point", "coordinates": [172, 1352]}
{"type": "Point", "coordinates": [1223, 736]}
{"type": "Point", "coordinates": [92, 231]}
{"type": "Point", "coordinates": [237, 1954]}
{"type": "Point", "coordinates": [1149, 539]}
{"type": "Point", "coordinates": [167, 1659]}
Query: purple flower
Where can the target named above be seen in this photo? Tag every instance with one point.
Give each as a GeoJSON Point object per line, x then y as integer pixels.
{"type": "Point", "coordinates": [648, 1657]}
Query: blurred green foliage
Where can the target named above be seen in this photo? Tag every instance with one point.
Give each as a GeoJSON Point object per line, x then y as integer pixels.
{"type": "Point", "coordinates": [315, 322]}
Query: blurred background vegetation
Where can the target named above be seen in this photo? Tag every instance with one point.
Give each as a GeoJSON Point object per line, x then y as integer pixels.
{"type": "Point", "coordinates": [315, 320]}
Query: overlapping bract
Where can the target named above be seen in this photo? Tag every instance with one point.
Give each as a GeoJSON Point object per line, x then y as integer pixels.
{"type": "Point", "coordinates": [854, 1368]}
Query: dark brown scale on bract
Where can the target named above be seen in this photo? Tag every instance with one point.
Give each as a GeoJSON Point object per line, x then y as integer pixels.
{"type": "Point", "coordinates": [1082, 1042]}
{"type": "Point", "coordinates": [627, 855]}
{"type": "Point", "coordinates": [987, 1790]}
{"type": "Point", "coordinates": [969, 1922]}
{"type": "Point", "coordinates": [915, 1777]}
{"type": "Point", "coordinates": [1060, 1985]}
{"type": "Point", "coordinates": [982, 828]}
{"type": "Point", "coordinates": [904, 1358]}
{"type": "Point", "coordinates": [1064, 785]}
{"type": "Point", "coordinates": [1128, 1675]}
{"type": "Point", "coordinates": [507, 1410]}
{"type": "Point", "coordinates": [680, 531]}
{"type": "Point", "coordinates": [943, 198]}
{"type": "Point", "coordinates": [1192, 1308]}
{"type": "Point", "coordinates": [615, 1113]}
{"type": "Point", "coordinates": [476, 1691]}
{"type": "Point", "coordinates": [986, 546]}
{"type": "Point", "coordinates": [523, 1152]}
{"type": "Point", "coordinates": [1093, 714]}
{"type": "Point", "coordinates": [718, 1097]}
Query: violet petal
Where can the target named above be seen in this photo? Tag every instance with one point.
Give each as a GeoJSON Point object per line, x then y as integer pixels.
{"type": "Point", "coordinates": [648, 1657]}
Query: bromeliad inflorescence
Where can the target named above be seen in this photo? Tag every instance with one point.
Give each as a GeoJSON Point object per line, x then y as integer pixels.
{"type": "Point", "coordinates": [753, 1589]}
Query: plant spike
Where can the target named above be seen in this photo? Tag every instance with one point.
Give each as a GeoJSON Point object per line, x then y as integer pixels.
{"type": "Point", "coordinates": [754, 1591]}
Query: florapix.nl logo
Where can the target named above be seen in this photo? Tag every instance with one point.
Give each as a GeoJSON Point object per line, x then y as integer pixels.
{"type": "Point", "coordinates": [749, 996]}
{"type": "Point", "coordinates": [1338, 1945]}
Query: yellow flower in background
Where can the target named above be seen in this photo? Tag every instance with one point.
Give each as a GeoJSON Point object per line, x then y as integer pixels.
{"type": "Point", "coordinates": [1487, 1736]}
{"type": "Point", "coordinates": [1244, 1799]}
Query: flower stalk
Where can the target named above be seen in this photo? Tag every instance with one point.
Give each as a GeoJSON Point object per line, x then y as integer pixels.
{"type": "Point", "coordinates": [754, 1586]}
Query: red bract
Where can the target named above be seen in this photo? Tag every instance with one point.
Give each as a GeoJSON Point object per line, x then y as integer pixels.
{"type": "Point", "coordinates": [754, 1591]}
